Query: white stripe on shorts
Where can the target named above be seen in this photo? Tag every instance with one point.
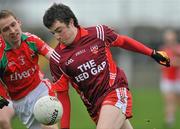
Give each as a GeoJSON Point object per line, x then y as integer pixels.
{"type": "Point", "coordinates": [122, 99]}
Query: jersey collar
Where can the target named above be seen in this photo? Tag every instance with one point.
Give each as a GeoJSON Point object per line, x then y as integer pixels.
{"type": "Point", "coordinates": [81, 33]}
{"type": "Point", "coordinates": [8, 46]}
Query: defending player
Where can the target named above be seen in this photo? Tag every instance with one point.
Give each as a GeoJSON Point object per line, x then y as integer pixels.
{"type": "Point", "coordinates": [170, 77]}
{"type": "Point", "coordinates": [19, 69]}
{"type": "Point", "coordinates": [83, 57]}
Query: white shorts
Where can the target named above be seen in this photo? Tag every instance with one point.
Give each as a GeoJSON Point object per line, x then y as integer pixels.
{"type": "Point", "coordinates": [170, 86]}
{"type": "Point", "coordinates": [24, 107]}
{"type": "Point", "coordinates": [10, 103]}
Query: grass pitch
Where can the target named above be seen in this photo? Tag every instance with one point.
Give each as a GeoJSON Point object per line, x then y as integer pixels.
{"type": "Point", "coordinates": [147, 112]}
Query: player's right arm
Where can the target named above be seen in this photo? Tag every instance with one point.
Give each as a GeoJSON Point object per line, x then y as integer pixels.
{"type": "Point", "coordinates": [3, 101]}
{"type": "Point", "coordinates": [2, 47]}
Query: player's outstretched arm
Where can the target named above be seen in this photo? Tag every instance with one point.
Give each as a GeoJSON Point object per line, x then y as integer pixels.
{"type": "Point", "coordinates": [130, 44]}
{"type": "Point", "coordinates": [3, 102]}
{"type": "Point", "coordinates": [161, 57]}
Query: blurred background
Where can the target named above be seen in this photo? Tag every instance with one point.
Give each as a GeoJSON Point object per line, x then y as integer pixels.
{"type": "Point", "coordinates": [143, 20]}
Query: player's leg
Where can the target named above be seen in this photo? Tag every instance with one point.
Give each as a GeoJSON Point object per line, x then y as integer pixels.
{"type": "Point", "coordinates": [6, 115]}
{"type": "Point", "coordinates": [169, 96]}
{"type": "Point", "coordinates": [127, 125]}
{"type": "Point", "coordinates": [24, 107]}
{"type": "Point", "coordinates": [50, 127]}
{"type": "Point", "coordinates": [116, 107]}
{"type": "Point", "coordinates": [170, 108]}
{"type": "Point", "coordinates": [112, 118]}
{"type": "Point", "coordinates": [178, 100]}
{"type": "Point", "coordinates": [178, 93]}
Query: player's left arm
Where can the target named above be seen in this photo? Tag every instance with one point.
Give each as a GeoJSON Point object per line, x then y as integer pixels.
{"type": "Point", "coordinates": [176, 50]}
{"type": "Point", "coordinates": [42, 47]}
{"type": "Point", "coordinates": [128, 43]}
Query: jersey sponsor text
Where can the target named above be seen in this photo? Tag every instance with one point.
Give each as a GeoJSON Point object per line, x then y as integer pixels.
{"type": "Point", "coordinates": [25, 74]}
{"type": "Point", "coordinates": [92, 66]}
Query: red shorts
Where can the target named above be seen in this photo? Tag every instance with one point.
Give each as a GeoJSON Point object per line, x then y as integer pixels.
{"type": "Point", "coordinates": [120, 98]}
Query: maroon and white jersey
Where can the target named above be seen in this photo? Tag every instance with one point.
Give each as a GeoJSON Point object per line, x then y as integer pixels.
{"type": "Point", "coordinates": [87, 63]}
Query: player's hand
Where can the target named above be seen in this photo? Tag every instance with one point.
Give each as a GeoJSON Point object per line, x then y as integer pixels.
{"type": "Point", "coordinates": [3, 102]}
{"type": "Point", "coordinates": [161, 57]}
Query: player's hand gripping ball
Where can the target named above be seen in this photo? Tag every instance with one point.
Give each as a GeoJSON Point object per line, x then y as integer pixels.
{"type": "Point", "coordinates": [48, 110]}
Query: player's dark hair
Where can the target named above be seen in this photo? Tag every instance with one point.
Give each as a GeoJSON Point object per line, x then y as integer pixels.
{"type": "Point", "coordinates": [6, 13]}
{"type": "Point", "coordinates": [61, 13]}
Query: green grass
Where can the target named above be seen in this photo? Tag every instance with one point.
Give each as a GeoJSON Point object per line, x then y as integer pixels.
{"type": "Point", "coordinates": [147, 111]}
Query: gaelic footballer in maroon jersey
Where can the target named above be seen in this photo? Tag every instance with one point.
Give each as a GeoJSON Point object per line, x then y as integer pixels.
{"type": "Point", "coordinates": [83, 58]}
{"type": "Point", "coordinates": [89, 65]}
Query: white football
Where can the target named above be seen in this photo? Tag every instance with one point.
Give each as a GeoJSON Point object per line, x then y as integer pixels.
{"type": "Point", "coordinates": [48, 110]}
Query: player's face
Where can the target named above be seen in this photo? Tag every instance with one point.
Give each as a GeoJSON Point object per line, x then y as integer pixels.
{"type": "Point", "coordinates": [10, 29]}
{"type": "Point", "coordinates": [170, 37]}
{"type": "Point", "coordinates": [64, 33]}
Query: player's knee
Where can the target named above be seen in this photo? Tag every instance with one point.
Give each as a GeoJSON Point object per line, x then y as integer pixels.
{"type": "Point", "coordinates": [50, 127]}
{"type": "Point", "coordinates": [104, 127]}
